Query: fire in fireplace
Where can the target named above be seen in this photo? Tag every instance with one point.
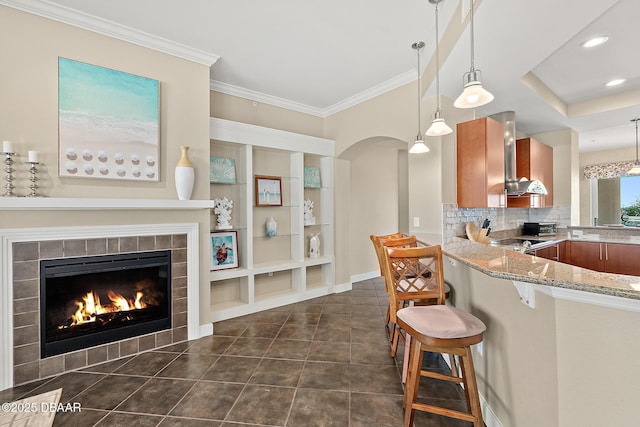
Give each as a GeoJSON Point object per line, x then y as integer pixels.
{"type": "Point", "coordinates": [88, 301]}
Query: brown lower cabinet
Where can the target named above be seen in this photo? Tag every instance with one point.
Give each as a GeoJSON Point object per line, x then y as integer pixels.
{"type": "Point", "coordinates": [606, 257]}
{"type": "Point", "coordinates": [556, 252]}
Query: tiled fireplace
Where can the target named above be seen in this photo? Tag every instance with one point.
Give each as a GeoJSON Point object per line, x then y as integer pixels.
{"type": "Point", "coordinates": [24, 360]}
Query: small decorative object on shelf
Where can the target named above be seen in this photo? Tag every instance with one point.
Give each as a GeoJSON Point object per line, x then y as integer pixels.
{"type": "Point", "coordinates": [309, 219]}
{"type": "Point", "coordinates": [223, 209]}
{"type": "Point", "coordinates": [8, 152]}
{"type": "Point", "coordinates": [224, 250]}
{"type": "Point", "coordinates": [33, 171]}
{"type": "Point", "coordinates": [184, 175]}
{"type": "Point", "coordinates": [311, 177]}
{"type": "Point", "coordinates": [272, 227]}
{"type": "Point", "coordinates": [222, 170]}
{"type": "Point", "coordinates": [268, 191]}
{"type": "Point", "coordinates": [314, 245]}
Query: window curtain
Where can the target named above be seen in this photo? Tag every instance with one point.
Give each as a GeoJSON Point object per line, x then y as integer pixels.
{"type": "Point", "coordinates": [607, 170]}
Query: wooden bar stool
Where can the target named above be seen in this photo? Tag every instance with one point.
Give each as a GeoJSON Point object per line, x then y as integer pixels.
{"type": "Point", "coordinates": [377, 246]}
{"type": "Point", "coordinates": [416, 283]}
{"type": "Point", "coordinates": [435, 328]}
{"type": "Point", "coordinates": [396, 240]}
{"type": "Point", "coordinates": [400, 242]}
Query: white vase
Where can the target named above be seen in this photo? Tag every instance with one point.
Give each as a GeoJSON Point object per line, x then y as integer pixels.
{"type": "Point", "coordinates": [184, 175]}
{"type": "Point", "coordinates": [272, 227]}
{"type": "Point", "coordinates": [314, 246]}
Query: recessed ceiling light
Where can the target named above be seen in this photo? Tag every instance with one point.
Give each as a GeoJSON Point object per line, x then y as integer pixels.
{"type": "Point", "coordinates": [596, 41]}
{"type": "Point", "coordinates": [615, 82]}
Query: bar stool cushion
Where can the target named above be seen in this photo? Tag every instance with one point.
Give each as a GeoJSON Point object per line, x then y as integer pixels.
{"type": "Point", "coordinates": [441, 321]}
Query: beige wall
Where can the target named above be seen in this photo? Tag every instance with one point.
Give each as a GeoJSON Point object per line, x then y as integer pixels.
{"type": "Point", "coordinates": [243, 110]}
{"type": "Point", "coordinates": [29, 118]}
{"type": "Point", "coordinates": [389, 118]}
{"type": "Point", "coordinates": [342, 215]}
{"type": "Point", "coordinates": [598, 378]}
{"type": "Point", "coordinates": [562, 363]}
{"type": "Point", "coordinates": [431, 177]}
{"type": "Point", "coordinates": [373, 198]}
{"type": "Point", "coordinates": [517, 372]}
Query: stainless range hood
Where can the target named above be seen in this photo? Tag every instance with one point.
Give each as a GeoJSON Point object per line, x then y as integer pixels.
{"type": "Point", "coordinates": [514, 186]}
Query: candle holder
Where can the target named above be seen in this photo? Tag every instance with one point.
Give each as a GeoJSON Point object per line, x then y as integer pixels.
{"type": "Point", "coordinates": [33, 170]}
{"type": "Point", "coordinates": [8, 173]}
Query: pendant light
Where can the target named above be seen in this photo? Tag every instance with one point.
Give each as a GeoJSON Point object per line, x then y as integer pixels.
{"type": "Point", "coordinates": [635, 170]}
{"type": "Point", "coordinates": [473, 95]}
{"type": "Point", "coordinates": [419, 146]}
{"type": "Point", "coordinates": [438, 125]}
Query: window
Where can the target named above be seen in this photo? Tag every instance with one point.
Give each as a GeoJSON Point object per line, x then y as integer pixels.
{"type": "Point", "coordinates": [630, 200]}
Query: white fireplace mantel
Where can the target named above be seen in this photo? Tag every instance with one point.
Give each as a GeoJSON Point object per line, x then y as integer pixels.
{"type": "Point", "coordinates": [78, 204]}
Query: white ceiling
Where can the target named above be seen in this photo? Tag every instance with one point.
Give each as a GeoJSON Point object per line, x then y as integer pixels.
{"type": "Point", "coordinates": [321, 57]}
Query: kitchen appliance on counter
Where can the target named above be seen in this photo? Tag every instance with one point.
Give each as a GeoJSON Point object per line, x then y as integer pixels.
{"type": "Point", "coordinates": [539, 228]}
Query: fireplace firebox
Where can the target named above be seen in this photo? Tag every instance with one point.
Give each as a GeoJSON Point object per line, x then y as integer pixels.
{"type": "Point", "coordinates": [88, 301]}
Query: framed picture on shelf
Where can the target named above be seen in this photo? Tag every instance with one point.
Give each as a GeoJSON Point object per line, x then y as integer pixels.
{"type": "Point", "coordinates": [311, 177]}
{"type": "Point", "coordinates": [224, 250]}
{"type": "Point", "coordinates": [268, 191]}
{"type": "Point", "coordinates": [222, 170]}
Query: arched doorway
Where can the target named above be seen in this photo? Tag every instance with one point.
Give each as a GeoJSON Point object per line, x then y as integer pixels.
{"type": "Point", "coordinates": [372, 197]}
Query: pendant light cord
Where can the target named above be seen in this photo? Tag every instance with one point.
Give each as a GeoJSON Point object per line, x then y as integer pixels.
{"type": "Point", "coordinates": [472, 44]}
{"type": "Point", "coordinates": [419, 88]}
{"type": "Point", "coordinates": [437, 62]}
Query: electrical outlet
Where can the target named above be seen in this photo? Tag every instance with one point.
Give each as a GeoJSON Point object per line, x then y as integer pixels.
{"type": "Point", "coordinates": [416, 221]}
{"type": "Point", "coordinates": [520, 223]}
{"type": "Point", "coordinates": [270, 274]}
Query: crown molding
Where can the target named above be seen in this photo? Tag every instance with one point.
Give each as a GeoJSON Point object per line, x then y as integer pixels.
{"type": "Point", "coordinates": [253, 95]}
{"type": "Point", "coordinates": [372, 92]}
{"type": "Point", "coordinates": [356, 99]}
{"type": "Point", "coordinates": [92, 23]}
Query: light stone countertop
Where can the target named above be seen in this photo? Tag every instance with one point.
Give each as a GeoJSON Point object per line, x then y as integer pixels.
{"type": "Point", "coordinates": [507, 264]}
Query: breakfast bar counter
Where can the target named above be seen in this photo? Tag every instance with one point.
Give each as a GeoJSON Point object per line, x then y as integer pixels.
{"type": "Point", "coordinates": [561, 344]}
{"type": "Point", "coordinates": [508, 264]}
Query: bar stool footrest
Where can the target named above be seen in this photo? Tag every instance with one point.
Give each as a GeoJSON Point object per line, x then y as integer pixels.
{"type": "Point", "coordinates": [452, 413]}
{"type": "Point", "coordinates": [443, 377]}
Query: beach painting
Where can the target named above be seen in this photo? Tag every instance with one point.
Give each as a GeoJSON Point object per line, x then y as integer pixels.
{"type": "Point", "coordinates": [108, 123]}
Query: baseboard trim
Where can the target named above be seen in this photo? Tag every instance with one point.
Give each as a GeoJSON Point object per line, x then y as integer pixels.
{"type": "Point", "coordinates": [206, 330]}
{"type": "Point", "coordinates": [365, 276]}
{"type": "Point", "coordinates": [489, 417]}
{"type": "Point", "coordinates": [343, 287]}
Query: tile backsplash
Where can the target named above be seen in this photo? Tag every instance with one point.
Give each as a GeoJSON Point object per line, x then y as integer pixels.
{"type": "Point", "coordinates": [455, 219]}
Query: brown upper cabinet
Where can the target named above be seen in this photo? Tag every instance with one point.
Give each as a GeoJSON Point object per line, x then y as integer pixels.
{"type": "Point", "coordinates": [480, 163]}
{"type": "Point", "coordinates": [534, 160]}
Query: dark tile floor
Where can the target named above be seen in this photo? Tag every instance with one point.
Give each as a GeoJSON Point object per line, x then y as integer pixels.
{"type": "Point", "coordinates": [322, 362]}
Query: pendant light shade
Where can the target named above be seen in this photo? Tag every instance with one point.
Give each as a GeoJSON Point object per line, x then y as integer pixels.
{"type": "Point", "coordinates": [438, 126]}
{"type": "Point", "coordinates": [635, 170]}
{"type": "Point", "coordinates": [419, 146]}
{"type": "Point", "coordinates": [473, 94]}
